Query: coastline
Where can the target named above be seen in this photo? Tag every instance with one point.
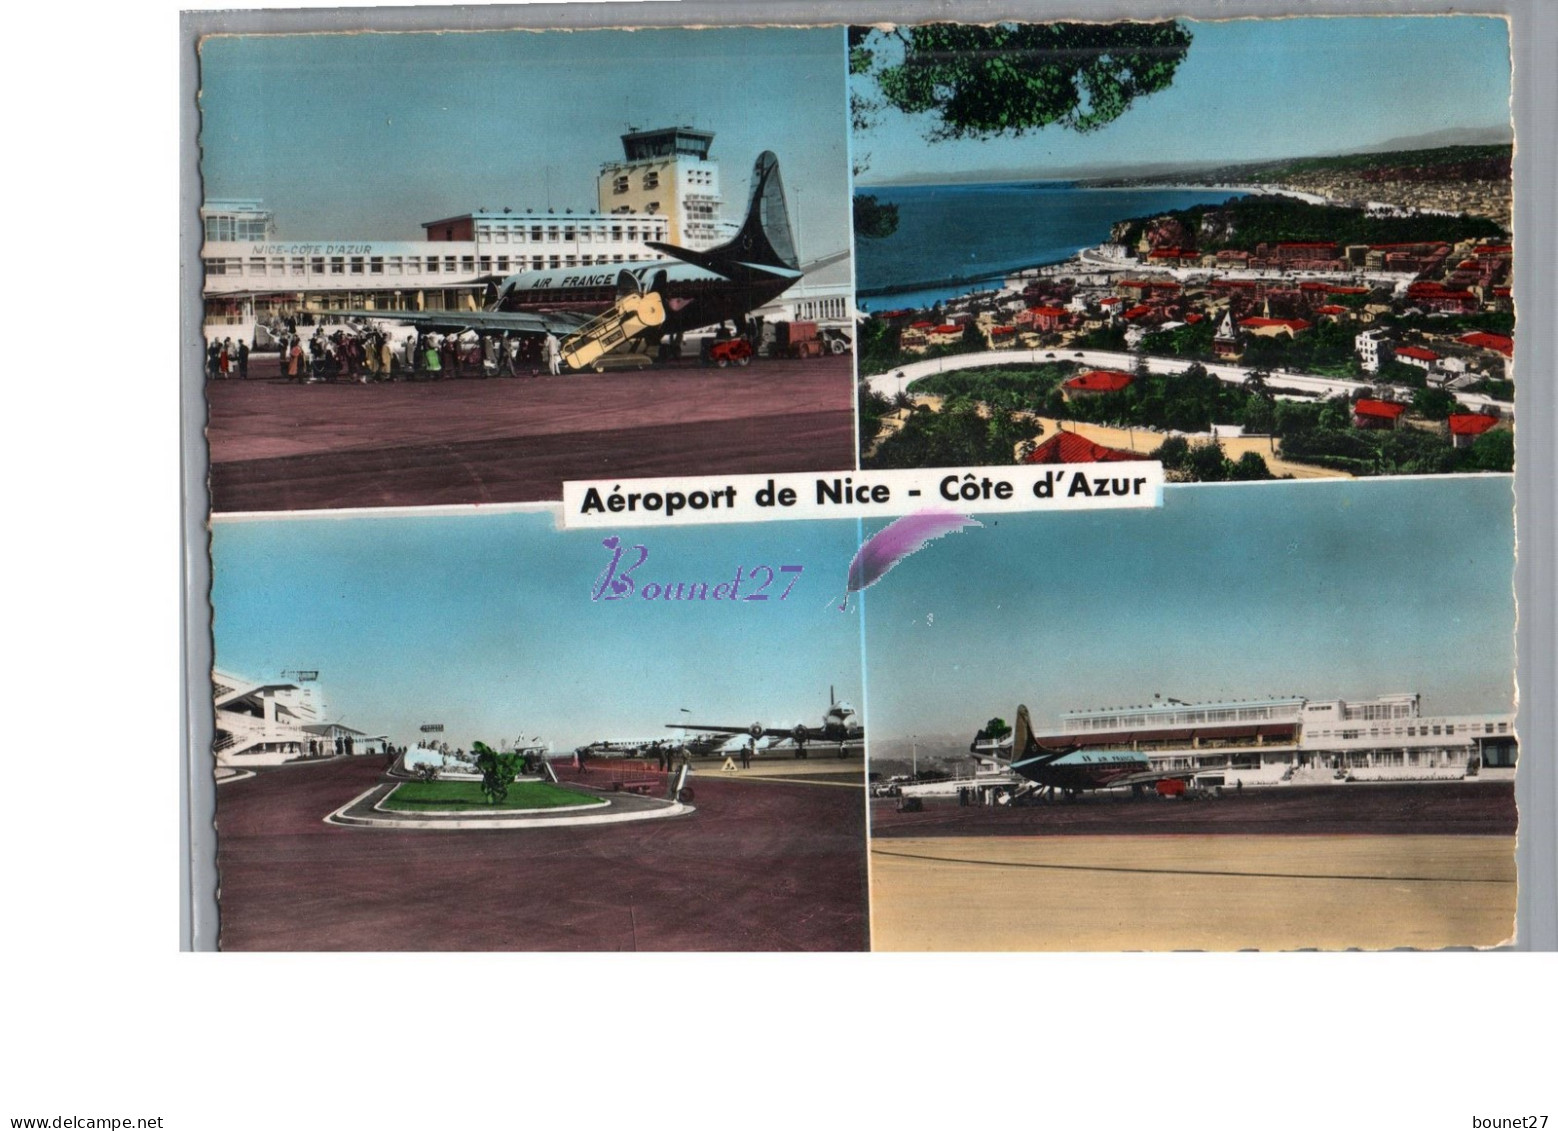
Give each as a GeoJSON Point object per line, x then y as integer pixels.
{"type": "Point", "coordinates": [1079, 261]}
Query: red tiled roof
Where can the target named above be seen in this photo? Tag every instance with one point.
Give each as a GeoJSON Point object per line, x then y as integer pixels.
{"type": "Point", "coordinates": [1047, 311]}
{"type": "Point", "coordinates": [1389, 410]}
{"type": "Point", "coordinates": [1100, 381]}
{"type": "Point", "coordinates": [1136, 312]}
{"type": "Point", "coordinates": [1417, 352]}
{"type": "Point", "coordinates": [1331, 309]}
{"type": "Point", "coordinates": [1068, 447]}
{"type": "Point", "coordinates": [1193, 317]}
{"type": "Point", "coordinates": [1346, 290]}
{"type": "Point", "coordinates": [921, 325]}
{"type": "Point", "coordinates": [1292, 323]}
{"type": "Point", "coordinates": [1505, 346]}
{"type": "Point", "coordinates": [994, 330]}
{"type": "Point", "coordinates": [1470, 423]}
{"type": "Point", "coordinates": [948, 328]}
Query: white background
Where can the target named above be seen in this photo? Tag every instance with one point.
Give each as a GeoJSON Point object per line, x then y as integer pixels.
{"type": "Point", "coordinates": [103, 1016]}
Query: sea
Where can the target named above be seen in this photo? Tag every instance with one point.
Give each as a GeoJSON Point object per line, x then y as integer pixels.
{"type": "Point", "coordinates": [954, 239]}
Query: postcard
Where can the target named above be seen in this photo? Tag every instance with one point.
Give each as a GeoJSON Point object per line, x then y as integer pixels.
{"type": "Point", "coordinates": [933, 486]}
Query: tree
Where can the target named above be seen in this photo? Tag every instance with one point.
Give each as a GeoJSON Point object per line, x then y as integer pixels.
{"type": "Point", "coordinates": [1207, 464]}
{"type": "Point", "coordinates": [497, 770]}
{"type": "Point", "coordinates": [1005, 79]}
{"type": "Point", "coordinates": [995, 730]}
{"type": "Point", "coordinates": [1008, 79]}
{"type": "Point", "coordinates": [1173, 453]}
{"type": "Point", "coordinates": [1251, 465]}
{"type": "Point", "coordinates": [1494, 450]}
{"type": "Point", "coordinates": [873, 219]}
{"type": "Point", "coordinates": [1435, 404]}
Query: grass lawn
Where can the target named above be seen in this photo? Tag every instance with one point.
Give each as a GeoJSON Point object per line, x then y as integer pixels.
{"type": "Point", "coordinates": [412, 797]}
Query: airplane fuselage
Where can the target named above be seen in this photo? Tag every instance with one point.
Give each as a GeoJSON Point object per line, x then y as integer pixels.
{"type": "Point", "coordinates": [694, 297]}
{"type": "Point", "coordinates": [1082, 769]}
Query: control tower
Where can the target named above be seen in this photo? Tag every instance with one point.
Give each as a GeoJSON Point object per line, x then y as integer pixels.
{"type": "Point", "coordinates": [667, 172]}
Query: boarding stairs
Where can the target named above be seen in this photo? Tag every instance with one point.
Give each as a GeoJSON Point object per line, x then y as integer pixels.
{"type": "Point", "coordinates": [630, 316]}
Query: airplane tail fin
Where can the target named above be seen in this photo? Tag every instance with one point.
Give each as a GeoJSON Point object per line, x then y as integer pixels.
{"type": "Point", "coordinates": [764, 248]}
{"type": "Point", "coordinates": [765, 238]}
{"type": "Point", "coordinates": [1022, 734]}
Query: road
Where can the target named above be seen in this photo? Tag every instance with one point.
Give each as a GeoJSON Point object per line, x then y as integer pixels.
{"type": "Point", "coordinates": [891, 384]}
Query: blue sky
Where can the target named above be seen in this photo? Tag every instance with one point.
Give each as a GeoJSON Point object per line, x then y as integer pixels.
{"type": "Point", "coordinates": [1344, 589]}
{"type": "Point", "coordinates": [485, 624]}
{"type": "Point", "coordinates": [1252, 90]}
{"type": "Point", "coordinates": [367, 136]}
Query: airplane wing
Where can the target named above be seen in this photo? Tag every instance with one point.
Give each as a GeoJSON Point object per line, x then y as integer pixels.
{"type": "Point", "coordinates": [559, 322]}
{"type": "Point", "coordinates": [754, 730]}
{"type": "Point", "coordinates": [1152, 777]}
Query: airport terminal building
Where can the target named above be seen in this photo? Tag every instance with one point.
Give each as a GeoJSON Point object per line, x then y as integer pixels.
{"type": "Point", "coordinates": [268, 722]}
{"type": "Point", "coordinates": [664, 189]}
{"type": "Point", "coordinates": [1296, 740]}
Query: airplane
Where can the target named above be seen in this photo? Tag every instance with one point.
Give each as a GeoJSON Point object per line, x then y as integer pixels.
{"type": "Point", "coordinates": [695, 289]}
{"type": "Point", "coordinates": [1071, 768]}
{"type": "Point", "coordinates": [838, 727]}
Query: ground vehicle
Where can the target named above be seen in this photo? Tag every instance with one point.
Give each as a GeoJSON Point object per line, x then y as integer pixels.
{"type": "Point", "coordinates": [737, 350]}
{"type": "Point", "coordinates": [799, 339]}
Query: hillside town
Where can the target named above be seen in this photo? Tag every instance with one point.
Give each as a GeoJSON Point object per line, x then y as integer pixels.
{"type": "Point", "coordinates": [1416, 332]}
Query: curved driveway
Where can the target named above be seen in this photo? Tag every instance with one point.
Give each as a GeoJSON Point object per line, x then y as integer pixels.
{"type": "Point", "coordinates": [889, 384]}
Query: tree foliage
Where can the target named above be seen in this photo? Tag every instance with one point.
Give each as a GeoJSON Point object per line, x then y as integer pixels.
{"type": "Point", "coordinates": [1009, 79]}
{"type": "Point", "coordinates": [873, 219]}
{"type": "Point", "coordinates": [1005, 79]}
{"type": "Point", "coordinates": [996, 729]}
{"type": "Point", "coordinates": [957, 436]}
{"type": "Point", "coordinates": [497, 770]}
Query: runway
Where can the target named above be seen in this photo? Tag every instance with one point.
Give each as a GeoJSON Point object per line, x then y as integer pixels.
{"type": "Point", "coordinates": [277, 445]}
{"type": "Point", "coordinates": [760, 866]}
{"type": "Point", "coordinates": [1193, 892]}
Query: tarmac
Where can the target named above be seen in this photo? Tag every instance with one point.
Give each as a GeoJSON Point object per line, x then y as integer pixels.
{"type": "Point", "coordinates": [278, 445]}
{"type": "Point", "coordinates": [1439, 808]}
{"type": "Point", "coordinates": [1332, 867]}
{"type": "Point", "coordinates": [775, 865]}
{"type": "Point", "coordinates": [1192, 892]}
